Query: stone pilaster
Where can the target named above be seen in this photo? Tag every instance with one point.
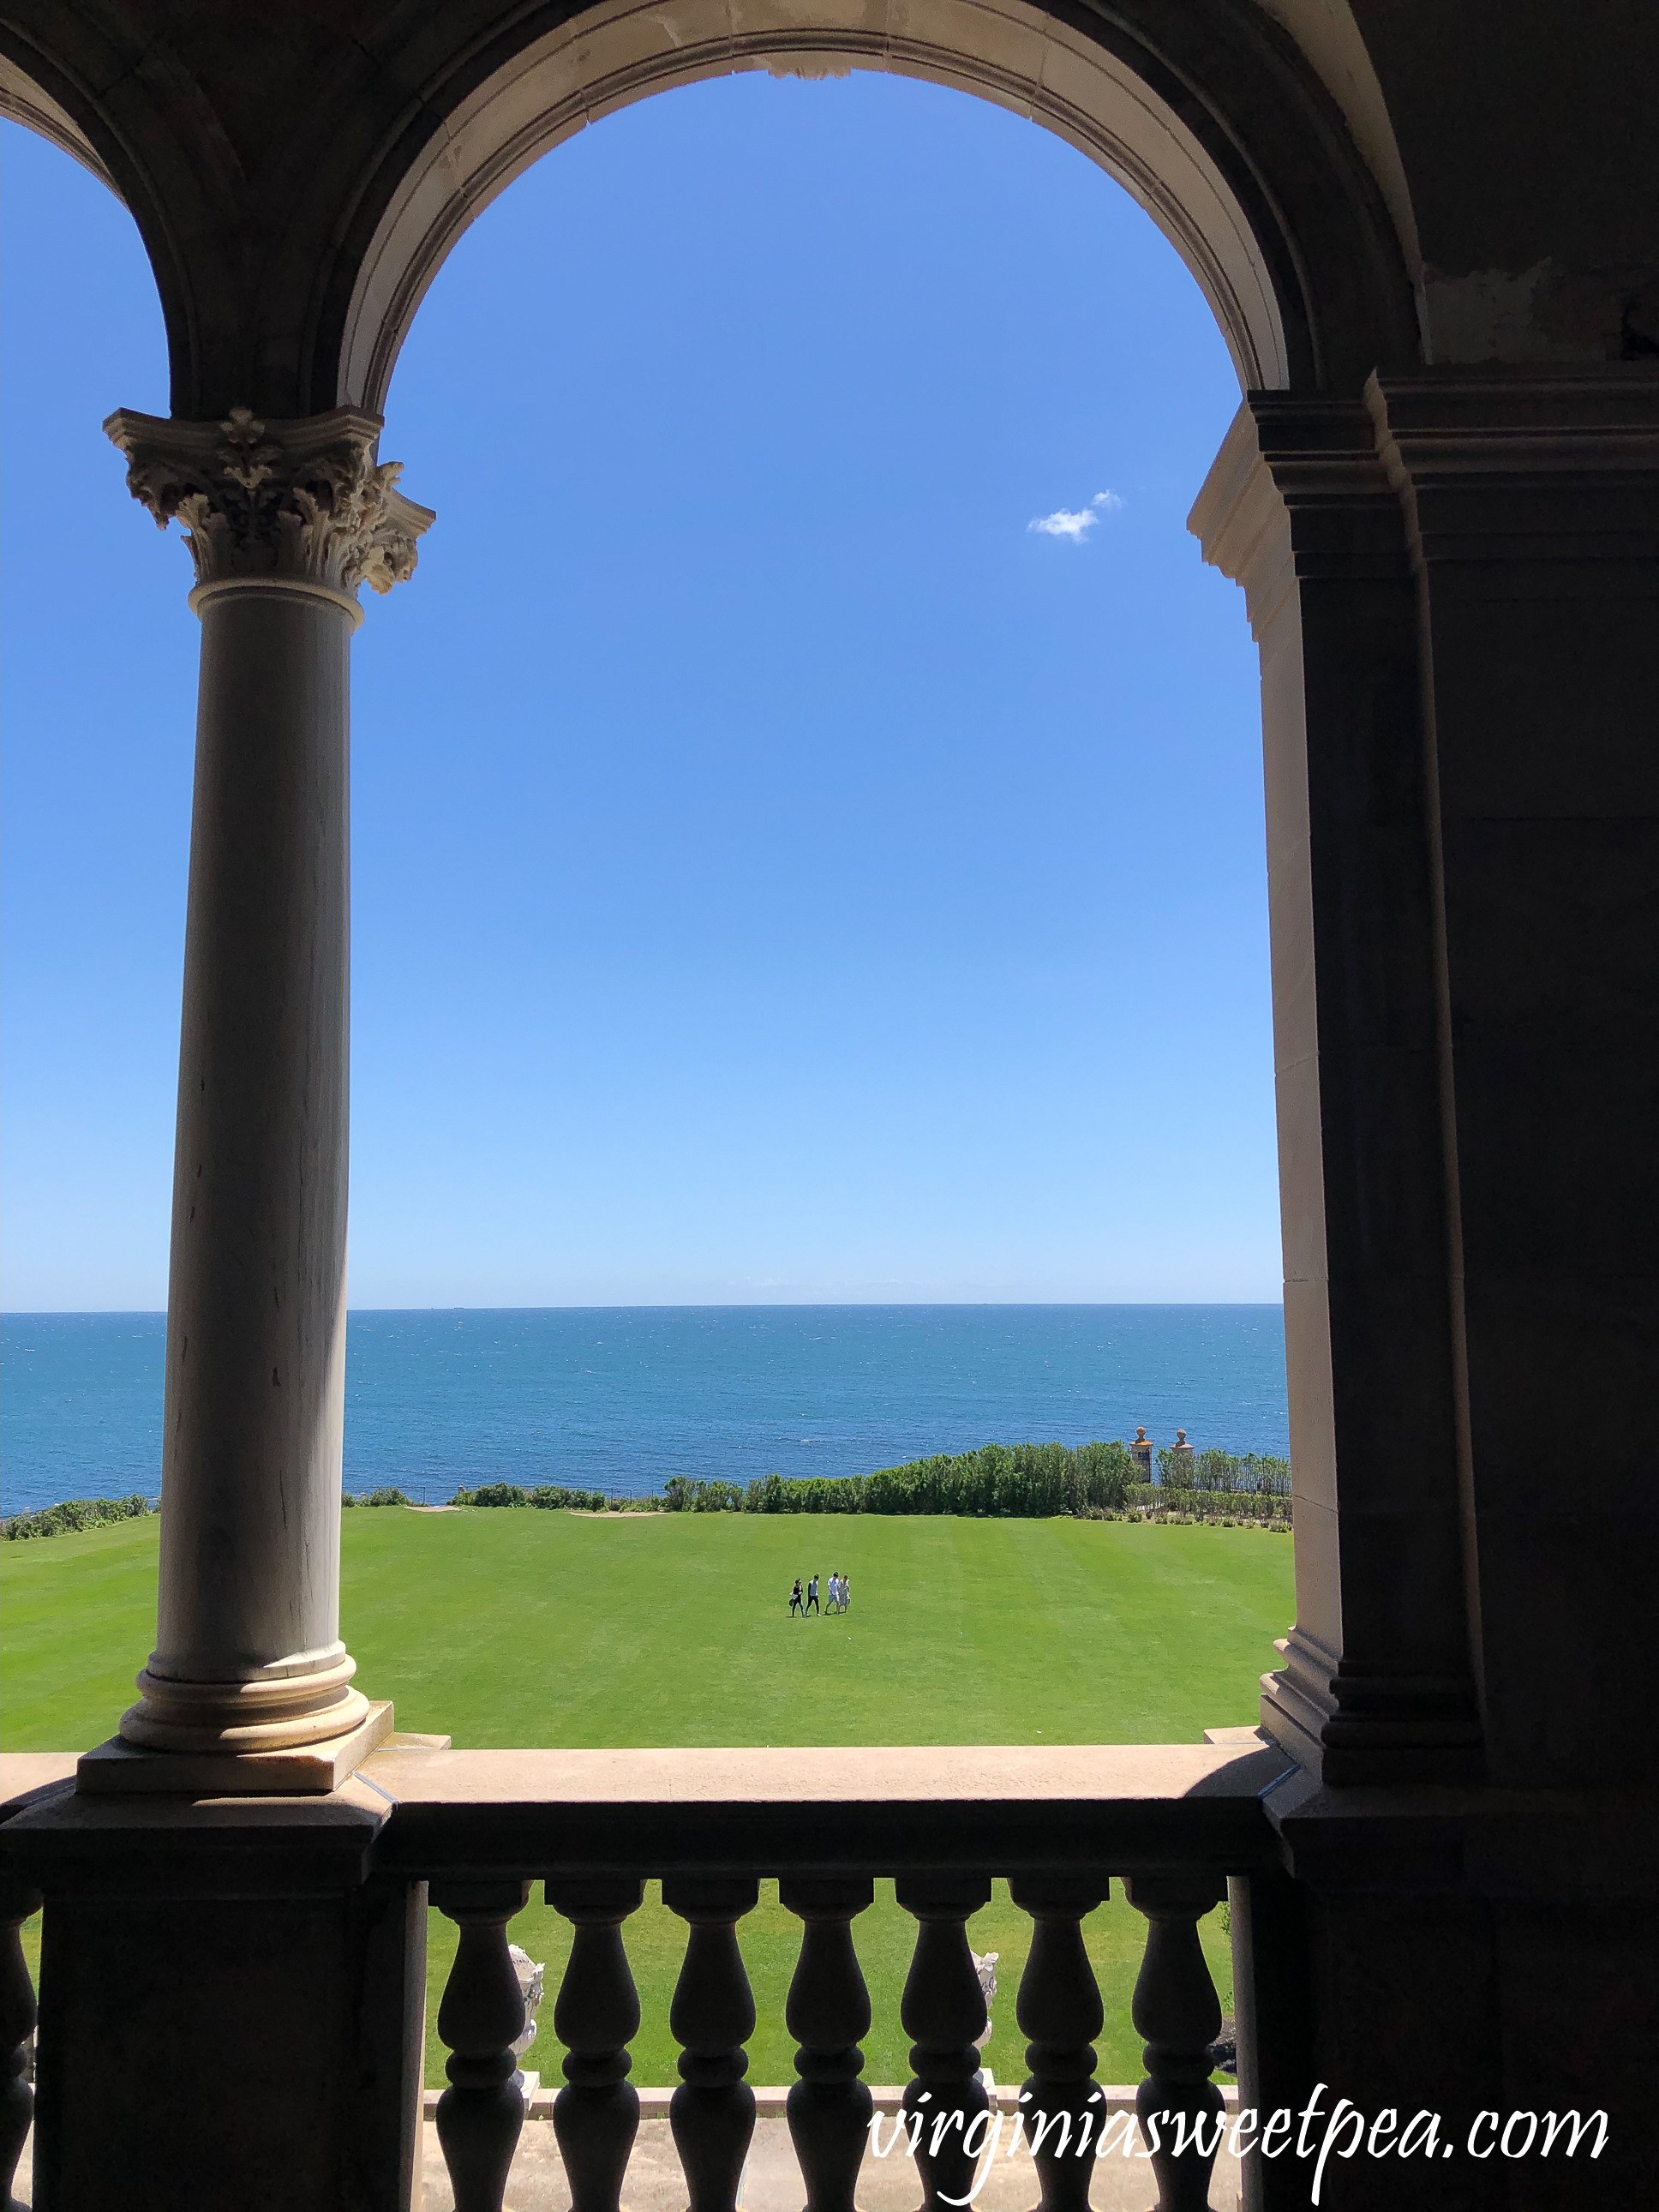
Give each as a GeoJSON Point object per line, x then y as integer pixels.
{"type": "Point", "coordinates": [1376, 1681]}
{"type": "Point", "coordinates": [1531, 504]}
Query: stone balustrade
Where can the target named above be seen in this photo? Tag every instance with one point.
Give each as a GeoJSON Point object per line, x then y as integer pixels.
{"type": "Point", "coordinates": [478, 1829]}
{"type": "Point", "coordinates": [1172, 1823]}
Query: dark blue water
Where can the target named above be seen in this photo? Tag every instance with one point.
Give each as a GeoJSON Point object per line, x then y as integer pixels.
{"type": "Point", "coordinates": [620, 1398]}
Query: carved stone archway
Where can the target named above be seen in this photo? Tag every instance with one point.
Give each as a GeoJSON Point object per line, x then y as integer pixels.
{"type": "Point", "coordinates": [1128, 104]}
{"type": "Point", "coordinates": [615, 54]}
{"type": "Point", "coordinates": [290, 261]}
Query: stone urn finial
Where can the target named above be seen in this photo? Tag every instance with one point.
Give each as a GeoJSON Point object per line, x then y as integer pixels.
{"type": "Point", "coordinates": [532, 1975]}
{"type": "Point", "coordinates": [985, 1966]}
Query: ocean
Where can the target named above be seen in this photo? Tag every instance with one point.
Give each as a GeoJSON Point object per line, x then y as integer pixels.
{"type": "Point", "coordinates": [620, 1398]}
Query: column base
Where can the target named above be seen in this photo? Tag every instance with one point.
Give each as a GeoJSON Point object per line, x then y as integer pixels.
{"type": "Point", "coordinates": [121, 1769]}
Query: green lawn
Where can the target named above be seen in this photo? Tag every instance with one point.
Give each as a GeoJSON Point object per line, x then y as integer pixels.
{"type": "Point", "coordinates": [502, 1628]}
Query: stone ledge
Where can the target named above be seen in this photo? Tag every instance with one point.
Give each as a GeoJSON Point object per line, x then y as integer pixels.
{"type": "Point", "coordinates": [1020, 1808]}
{"type": "Point", "coordinates": [23, 1774]}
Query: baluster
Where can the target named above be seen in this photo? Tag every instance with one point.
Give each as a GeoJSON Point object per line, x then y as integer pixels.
{"type": "Point", "coordinates": [481, 2018]}
{"type": "Point", "coordinates": [943, 2010]}
{"type": "Point", "coordinates": [1177, 2009]}
{"type": "Point", "coordinates": [596, 2116]}
{"type": "Point", "coordinates": [1058, 2008]}
{"type": "Point", "coordinates": [827, 2013]}
{"type": "Point", "coordinates": [712, 2015]}
{"type": "Point", "coordinates": [17, 2025]}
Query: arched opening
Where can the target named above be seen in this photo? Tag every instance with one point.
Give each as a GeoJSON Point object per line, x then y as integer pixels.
{"type": "Point", "coordinates": [1295, 238]}
{"type": "Point", "coordinates": [612, 56]}
{"type": "Point", "coordinates": [1243, 158]}
{"type": "Point", "coordinates": [777, 667]}
{"type": "Point", "coordinates": [497, 571]}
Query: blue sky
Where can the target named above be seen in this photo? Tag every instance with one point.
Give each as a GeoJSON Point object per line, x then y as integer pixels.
{"type": "Point", "coordinates": [781, 872]}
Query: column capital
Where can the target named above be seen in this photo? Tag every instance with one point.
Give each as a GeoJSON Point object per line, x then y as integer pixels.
{"type": "Point", "coordinates": [1296, 494]}
{"type": "Point", "coordinates": [302, 503]}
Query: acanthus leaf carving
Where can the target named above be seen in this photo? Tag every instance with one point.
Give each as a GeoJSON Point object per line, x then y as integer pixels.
{"type": "Point", "coordinates": [304, 500]}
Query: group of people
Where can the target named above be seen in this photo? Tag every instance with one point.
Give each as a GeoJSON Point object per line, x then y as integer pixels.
{"type": "Point", "coordinates": [840, 1596]}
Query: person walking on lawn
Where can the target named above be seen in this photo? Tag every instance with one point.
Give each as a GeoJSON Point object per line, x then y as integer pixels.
{"type": "Point", "coordinates": [811, 1597]}
{"type": "Point", "coordinates": [846, 1594]}
{"type": "Point", "coordinates": [796, 1605]}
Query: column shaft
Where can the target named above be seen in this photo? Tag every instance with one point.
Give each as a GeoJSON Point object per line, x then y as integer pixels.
{"type": "Point", "coordinates": [256, 1310]}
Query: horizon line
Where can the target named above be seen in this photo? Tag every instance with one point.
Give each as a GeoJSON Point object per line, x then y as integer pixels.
{"type": "Point", "coordinates": [700, 1305]}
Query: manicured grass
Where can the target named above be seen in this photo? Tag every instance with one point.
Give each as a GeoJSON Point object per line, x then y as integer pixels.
{"type": "Point", "coordinates": [503, 1628]}
{"type": "Point", "coordinates": [77, 1621]}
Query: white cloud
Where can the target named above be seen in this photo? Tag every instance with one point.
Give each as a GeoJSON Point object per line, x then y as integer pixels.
{"type": "Point", "coordinates": [1063, 523]}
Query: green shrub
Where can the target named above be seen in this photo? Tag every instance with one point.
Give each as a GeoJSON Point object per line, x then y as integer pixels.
{"type": "Point", "coordinates": [75, 1513]}
{"type": "Point", "coordinates": [553, 1499]}
{"type": "Point", "coordinates": [1025, 1481]}
{"type": "Point", "coordinates": [547, 1495]}
{"type": "Point", "coordinates": [807, 1493]}
{"type": "Point", "coordinates": [681, 1493]}
{"type": "Point", "coordinates": [1242, 1471]}
{"type": "Point", "coordinates": [1242, 1507]}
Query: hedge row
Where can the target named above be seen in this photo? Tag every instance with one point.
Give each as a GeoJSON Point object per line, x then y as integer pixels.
{"type": "Point", "coordinates": [1016, 1481]}
{"type": "Point", "coordinates": [1159, 1498]}
{"type": "Point", "coordinates": [1227, 1472]}
{"type": "Point", "coordinates": [1000, 1481]}
{"type": "Point", "coordinates": [547, 1495]}
{"type": "Point", "coordinates": [74, 1513]}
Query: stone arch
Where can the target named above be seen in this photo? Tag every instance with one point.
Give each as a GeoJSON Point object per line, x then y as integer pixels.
{"type": "Point", "coordinates": [297, 186]}
{"type": "Point", "coordinates": [23, 101]}
{"type": "Point", "coordinates": [1299, 305]}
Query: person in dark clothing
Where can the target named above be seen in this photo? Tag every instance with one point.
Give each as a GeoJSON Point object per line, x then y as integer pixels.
{"type": "Point", "coordinates": [812, 1597]}
{"type": "Point", "coordinates": [796, 1605]}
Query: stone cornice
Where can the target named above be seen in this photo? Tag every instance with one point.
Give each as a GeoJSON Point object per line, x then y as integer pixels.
{"type": "Point", "coordinates": [303, 502]}
{"type": "Point", "coordinates": [1516, 467]}
{"type": "Point", "coordinates": [1540, 421]}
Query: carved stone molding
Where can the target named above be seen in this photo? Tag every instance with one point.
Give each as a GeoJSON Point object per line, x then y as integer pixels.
{"type": "Point", "coordinates": [304, 501]}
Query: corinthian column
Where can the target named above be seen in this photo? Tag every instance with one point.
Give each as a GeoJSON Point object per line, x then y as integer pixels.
{"type": "Point", "coordinates": [249, 1687]}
